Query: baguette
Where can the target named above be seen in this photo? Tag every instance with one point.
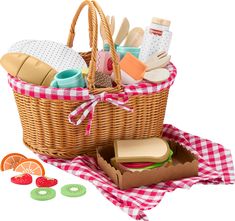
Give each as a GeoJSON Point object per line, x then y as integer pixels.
{"type": "Point", "coordinates": [28, 68]}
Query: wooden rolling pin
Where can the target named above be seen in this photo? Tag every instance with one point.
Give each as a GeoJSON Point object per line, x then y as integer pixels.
{"type": "Point", "coordinates": [28, 68]}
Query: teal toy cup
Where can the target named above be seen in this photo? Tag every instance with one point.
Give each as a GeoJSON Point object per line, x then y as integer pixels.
{"type": "Point", "coordinates": [122, 50]}
{"type": "Point", "coordinates": [106, 47]}
{"type": "Point", "coordinates": [68, 79]}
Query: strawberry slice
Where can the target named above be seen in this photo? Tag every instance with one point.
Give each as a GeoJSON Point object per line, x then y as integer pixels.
{"type": "Point", "coordinates": [23, 179]}
{"type": "Point", "coordinates": [46, 181]}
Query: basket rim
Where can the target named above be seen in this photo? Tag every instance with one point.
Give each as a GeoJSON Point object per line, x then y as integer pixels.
{"type": "Point", "coordinates": [79, 94]}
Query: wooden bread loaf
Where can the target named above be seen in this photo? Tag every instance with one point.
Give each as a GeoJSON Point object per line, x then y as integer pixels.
{"type": "Point", "coordinates": [28, 68]}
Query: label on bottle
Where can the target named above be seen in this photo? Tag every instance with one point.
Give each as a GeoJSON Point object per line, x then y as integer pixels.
{"type": "Point", "coordinates": [155, 32]}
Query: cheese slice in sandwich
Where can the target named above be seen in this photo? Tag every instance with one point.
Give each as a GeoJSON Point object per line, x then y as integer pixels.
{"type": "Point", "coordinates": [141, 150]}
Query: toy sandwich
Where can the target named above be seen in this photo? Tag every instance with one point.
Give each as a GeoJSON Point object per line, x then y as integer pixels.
{"type": "Point", "coordinates": [139, 155]}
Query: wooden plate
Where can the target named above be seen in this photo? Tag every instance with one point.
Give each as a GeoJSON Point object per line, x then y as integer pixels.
{"type": "Point", "coordinates": [157, 75]}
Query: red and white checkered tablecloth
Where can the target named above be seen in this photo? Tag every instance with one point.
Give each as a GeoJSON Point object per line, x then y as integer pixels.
{"type": "Point", "coordinates": [215, 167]}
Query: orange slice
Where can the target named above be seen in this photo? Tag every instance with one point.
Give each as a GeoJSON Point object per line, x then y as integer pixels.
{"type": "Point", "coordinates": [11, 161]}
{"type": "Point", "coordinates": [30, 166]}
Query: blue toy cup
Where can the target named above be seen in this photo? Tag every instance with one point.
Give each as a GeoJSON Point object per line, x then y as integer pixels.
{"type": "Point", "coordinates": [68, 79]}
{"type": "Point", "coordinates": [122, 50]}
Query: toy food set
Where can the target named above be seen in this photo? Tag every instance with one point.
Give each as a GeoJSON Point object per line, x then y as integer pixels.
{"type": "Point", "coordinates": [74, 93]}
{"type": "Point", "coordinates": [27, 168]}
{"type": "Point", "coordinates": [114, 98]}
{"type": "Point", "coordinates": [135, 163]}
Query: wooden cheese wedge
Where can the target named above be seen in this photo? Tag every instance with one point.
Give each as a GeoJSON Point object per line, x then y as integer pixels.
{"type": "Point", "coordinates": [28, 68]}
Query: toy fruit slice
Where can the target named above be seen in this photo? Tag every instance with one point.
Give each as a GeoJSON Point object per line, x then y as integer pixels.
{"type": "Point", "coordinates": [11, 161]}
{"type": "Point", "coordinates": [73, 190]}
{"type": "Point", "coordinates": [46, 181]}
{"type": "Point", "coordinates": [43, 194]}
{"type": "Point", "coordinates": [23, 179]}
{"type": "Point", "coordinates": [30, 166]}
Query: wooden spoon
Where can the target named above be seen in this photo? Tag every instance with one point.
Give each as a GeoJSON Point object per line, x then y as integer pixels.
{"type": "Point", "coordinates": [135, 38]}
{"type": "Point", "coordinates": [123, 31]}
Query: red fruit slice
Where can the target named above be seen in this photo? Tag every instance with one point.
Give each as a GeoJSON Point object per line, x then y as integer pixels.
{"type": "Point", "coordinates": [11, 160]}
{"type": "Point", "coordinates": [23, 179]}
{"type": "Point", "coordinates": [46, 181]}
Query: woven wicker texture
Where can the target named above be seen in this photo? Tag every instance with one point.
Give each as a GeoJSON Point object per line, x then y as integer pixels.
{"type": "Point", "coordinates": [46, 129]}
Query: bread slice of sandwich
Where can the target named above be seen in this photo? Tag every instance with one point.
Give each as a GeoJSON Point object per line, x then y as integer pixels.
{"type": "Point", "coordinates": [141, 154]}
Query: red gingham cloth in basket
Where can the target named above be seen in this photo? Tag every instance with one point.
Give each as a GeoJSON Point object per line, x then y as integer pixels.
{"type": "Point", "coordinates": [82, 94]}
{"type": "Point", "coordinates": [215, 167]}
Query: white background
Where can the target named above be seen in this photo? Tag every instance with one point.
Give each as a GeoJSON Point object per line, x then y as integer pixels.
{"type": "Point", "coordinates": [201, 100]}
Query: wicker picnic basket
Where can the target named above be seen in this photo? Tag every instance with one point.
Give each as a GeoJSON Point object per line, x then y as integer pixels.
{"type": "Point", "coordinates": [46, 129]}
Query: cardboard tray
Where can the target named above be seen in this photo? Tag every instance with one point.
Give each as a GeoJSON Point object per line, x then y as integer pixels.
{"type": "Point", "coordinates": [184, 165]}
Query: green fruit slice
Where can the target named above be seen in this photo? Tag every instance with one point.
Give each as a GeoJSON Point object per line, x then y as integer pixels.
{"type": "Point", "coordinates": [43, 194]}
{"type": "Point", "coordinates": [73, 190]}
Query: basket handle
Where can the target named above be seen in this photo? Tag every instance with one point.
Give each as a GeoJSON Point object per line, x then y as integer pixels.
{"type": "Point", "coordinates": [93, 33]}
